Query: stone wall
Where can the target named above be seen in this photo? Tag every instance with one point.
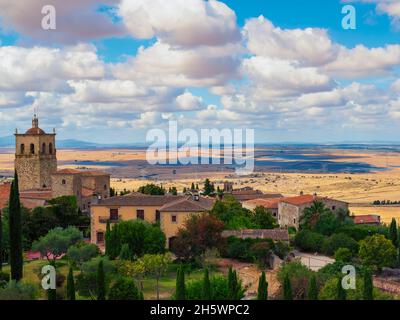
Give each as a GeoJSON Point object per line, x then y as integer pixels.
{"type": "Point", "coordinates": [67, 185]}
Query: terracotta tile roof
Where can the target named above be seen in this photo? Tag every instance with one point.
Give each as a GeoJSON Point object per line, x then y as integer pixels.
{"type": "Point", "coordinates": [304, 199]}
{"type": "Point", "coordinates": [244, 195]}
{"type": "Point", "coordinates": [274, 234]}
{"type": "Point", "coordinates": [367, 219]}
{"type": "Point", "coordinates": [29, 198]}
{"type": "Point", "coordinates": [39, 194]}
{"type": "Point", "coordinates": [138, 200]}
{"type": "Point", "coordinates": [188, 204]}
{"type": "Point", "coordinates": [67, 171]}
{"type": "Point", "coordinates": [266, 203]}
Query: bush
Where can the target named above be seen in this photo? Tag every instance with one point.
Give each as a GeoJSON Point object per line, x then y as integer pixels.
{"type": "Point", "coordinates": [299, 276]}
{"type": "Point", "coordinates": [247, 249]}
{"type": "Point", "coordinates": [360, 232]}
{"type": "Point", "coordinates": [309, 241]}
{"type": "Point", "coordinates": [18, 291]}
{"type": "Point", "coordinates": [339, 240]}
{"type": "Point", "coordinates": [4, 276]}
{"type": "Point", "coordinates": [281, 249]}
{"type": "Point", "coordinates": [124, 289]}
{"type": "Point", "coordinates": [343, 255]}
{"type": "Point", "coordinates": [377, 252]}
{"type": "Point", "coordinates": [218, 285]}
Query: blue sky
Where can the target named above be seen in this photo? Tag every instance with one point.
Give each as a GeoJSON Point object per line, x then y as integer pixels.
{"type": "Point", "coordinates": [284, 68]}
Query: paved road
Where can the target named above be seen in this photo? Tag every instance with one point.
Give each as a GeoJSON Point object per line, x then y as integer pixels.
{"type": "Point", "coordinates": [313, 261]}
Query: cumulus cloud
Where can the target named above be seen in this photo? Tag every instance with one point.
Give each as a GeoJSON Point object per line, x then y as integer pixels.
{"type": "Point", "coordinates": [76, 20]}
{"type": "Point", "coordinates": [181, 22]}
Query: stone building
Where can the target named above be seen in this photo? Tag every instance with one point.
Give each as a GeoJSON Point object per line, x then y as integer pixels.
{"type": "Point", "coordinates": [291, 209]}
{"type": "Point", "coordinates": [39, 179]}
{"type": "Point", "coordinates": [170, 211]}
{"type": "Point", "coordinates": [35, 157]}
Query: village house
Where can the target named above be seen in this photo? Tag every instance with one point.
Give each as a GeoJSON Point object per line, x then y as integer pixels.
{"type": "Point", "coordinates": [288, 210]}
{"type": "Point", "coordinates": [170, 211]}
{"type": "Point", "coordinates": [369, 219]}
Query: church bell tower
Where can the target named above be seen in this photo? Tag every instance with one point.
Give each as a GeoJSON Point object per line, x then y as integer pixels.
{"type": "Point", "coordinates": [35, 157]}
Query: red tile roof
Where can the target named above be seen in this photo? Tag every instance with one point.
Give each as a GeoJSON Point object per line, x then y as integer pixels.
{"type": "Point", "coordinates": [188, 204]}
{"type": "Point", "coordinates": [67, 171]}
{"type": "Point", "coordinates": [4, 194]}
{"type": "Point", "coordinates": [39, 194]}
{"type": "Point", "coordinates": [367, 219]}
{"type": "Point", "coordinates": [304, 199]}
{"type": "Point", "coordinates": [138, 199]}
{"type": "Point", "coordinates": [35, 131]}
{"type": "Point", "coordinates": [266, 203]}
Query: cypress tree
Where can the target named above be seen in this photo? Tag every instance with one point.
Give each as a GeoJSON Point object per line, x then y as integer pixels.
{"type": "Point", "coordinates": [180, 285]}
{"type": "Point", "coordinates": [1, 242]}
{"type": "Point", "coordinates": [313, 289]}
{"type": "Point", "coordinates": [107, 238]}
{"type": "Point", "coordinates": [287, 288]}
{"type": "Point", "coordinates": [101, 285]}
{"type": "Point", "coordinates": [262, 288]}
{"type": "Point", "coordinates": [206, 286]}
{"type": "Point", "coordinates": [192, 186]}
{"type": "Point", "coordinates": [368, 286]}
{"type": "Point", "coordinates": [51, 294]}
{"type": "Point", "coordinates": [141, 296]}
{"type": "Point", "coordinates": [16, 260]}
{"type": "Point", "coordinates": [340, 293]}
{"type": "Point", "coordinates": [393, 233]}
{"type": "Point", "coordinates": [125, 253]}
{"type": "Point", "coordinates": [70, 285]}
{"type": "Point", "coordinates": [197, 186]}
{"type": "Point", "coordinates": [232, 284]}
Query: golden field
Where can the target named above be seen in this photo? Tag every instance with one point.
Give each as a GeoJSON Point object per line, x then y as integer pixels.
{"type": "Point", "coordinates": [357, 189]}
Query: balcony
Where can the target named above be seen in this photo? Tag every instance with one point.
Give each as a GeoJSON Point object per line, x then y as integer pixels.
{"type": "Point", "coordinates": [105, 219]}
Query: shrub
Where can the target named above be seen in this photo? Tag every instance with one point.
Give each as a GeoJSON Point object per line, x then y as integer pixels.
{"type": "Point", "coordinates": [343, 255]}
{"type": "Point", "coordinates": [309, 241]}
{"type": "Point", "coordinates": [218, 287]}
{"type": "Point", "coordinates": [377, 252]}
{"type": "Point", "coordinates": [299, 276]}
{"type": "Point", "coordinates": [360, 232]}
{"type": "Point", "coordinates": [18, 291]}
{"type": "Point", "coordinates": [124, 289]}
{"type": "Point", "coordinates": [339, 240]}
{"type": "Point", "coordinates": [281, 249]}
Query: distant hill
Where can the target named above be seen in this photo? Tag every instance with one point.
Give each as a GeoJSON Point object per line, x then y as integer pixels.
{"type": "Point", "coordinates": [9, 142]}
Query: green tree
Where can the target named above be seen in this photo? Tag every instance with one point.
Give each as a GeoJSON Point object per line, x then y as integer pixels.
{"type": "Point", "coordinates": [312, 214]}
{"type": "Point", "coordinates": [376, 251]}
{"type": "Point", "coordinates": [180, 293]}
{"type": "Point", "coordinates": [368, 286]}
{"type": "Point", "coordinates": [152, 189]}
{"type": "Point", "coordinates": [287, 288]}
{"type": "Point", "coordinates": [101, 284]}
{"type": "Point", "coordinates": [70, 285]}
{"type": "Point", "coordinates": [124, 289]}
{"type": "Point", "coordinates": [234, 285]}
{"type": "Point", "coordinates": [56, 242]}
{"type": "Point", "coordinates": [125, 253]}
{"type": "Point", "coordinates": [393, 233]}
{"type": "Point", "coordinates": [340, 292]}
{"type": "Point", "coordinates": [156, 265]}
{"type": "Point", "coordinates": [206, 285]}
{"type": "Point", "coordinates": [264, 218]}
{"type": "Point", "coordinates": [174, 191]}
{"type": "Point", "coordinates": [107, 238]}
{"type": "Point", "coordinates": [343, 255]}
{"type": "Point", "coordinates": [82, 252]}
{"type": "Point", "coordinates": [312, 288]}
{"type": "Point", "coordinates": [207, 187]}
{"type": "Point", "coordinates": [192, 187]}
{"type": "Point", "coordinates": [15, 231]}
{"type": "Point", "coordinates": [262, 293]}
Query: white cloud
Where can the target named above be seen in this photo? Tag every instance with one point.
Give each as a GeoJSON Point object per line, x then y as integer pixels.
{"type": "Point", "coordinates": [76, 20]}
{"type": "Point", "coordinates": [181, 22]}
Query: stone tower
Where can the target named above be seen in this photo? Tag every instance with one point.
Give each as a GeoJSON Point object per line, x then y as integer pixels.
{"type": "Point", "coordinates": [35, 157]}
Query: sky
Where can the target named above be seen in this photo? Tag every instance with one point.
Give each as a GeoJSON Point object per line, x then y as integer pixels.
{"type": "Point", "coordinates": [112, 70]}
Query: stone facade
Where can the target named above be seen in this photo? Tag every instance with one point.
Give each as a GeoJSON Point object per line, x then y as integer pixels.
{"type": "Point", "coordinates": [35, 158]}
{"type": "Point", "coordinates": [290, 211]}
{"type": "Point", "coordinates": [67, 184]}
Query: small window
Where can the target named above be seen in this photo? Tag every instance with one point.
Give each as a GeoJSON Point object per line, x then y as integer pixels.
{"type": "Point", "coordinates": [174, 218]}
{"type": "Point", "coordinates": [105, 187]}
{"type": "Point", "coordinates": [100, 237]}
{"type": "Point", "coordinates": [50, 148]}
{"type": "Point", "coordinates": [43, 148]}
{"type": "Point", "coordinates": [32, 148]}
{"type": "Point", "coordinates": [158, 216]}
{"type": "Point", "coordinates": [22, 148]}
{"type": "Point", "coordinates": [63, 181]}
{"type": "Point", "coordinates": [294, 220]}
{"type": "Point", "coordinates": [113, 214]}
{"type": "Point", "coordinates": [140, 214]}
{"type": "Point", "coordinates": [333, 208]}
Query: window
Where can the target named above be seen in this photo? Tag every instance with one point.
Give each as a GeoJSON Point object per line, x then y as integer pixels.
{"type": "Point", "coordinates": [294, 220]}
{"type": "Point", "coordinates": [158, 216]}
{"type": "Point", "coordinates": [173, 218]}
{"type": "Point", "coordinates": [43, 148]}
{"type": "Point", "coordinates": [32, 148]}
{"type": "Point", "coordinates": [113, 214]}
{"type": "Point", "coordinates": [140, 214]}
{"type": "Point", "coordinates": [50, 148]}
{"type": "Point", "coordinates": [22, 148]}
{"type": "Point", "coordinates": [105, 187]}
{"type": "Point", "coordinates": [100, 237]}
{"type": "Point", "coordinates": [333, 208]}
